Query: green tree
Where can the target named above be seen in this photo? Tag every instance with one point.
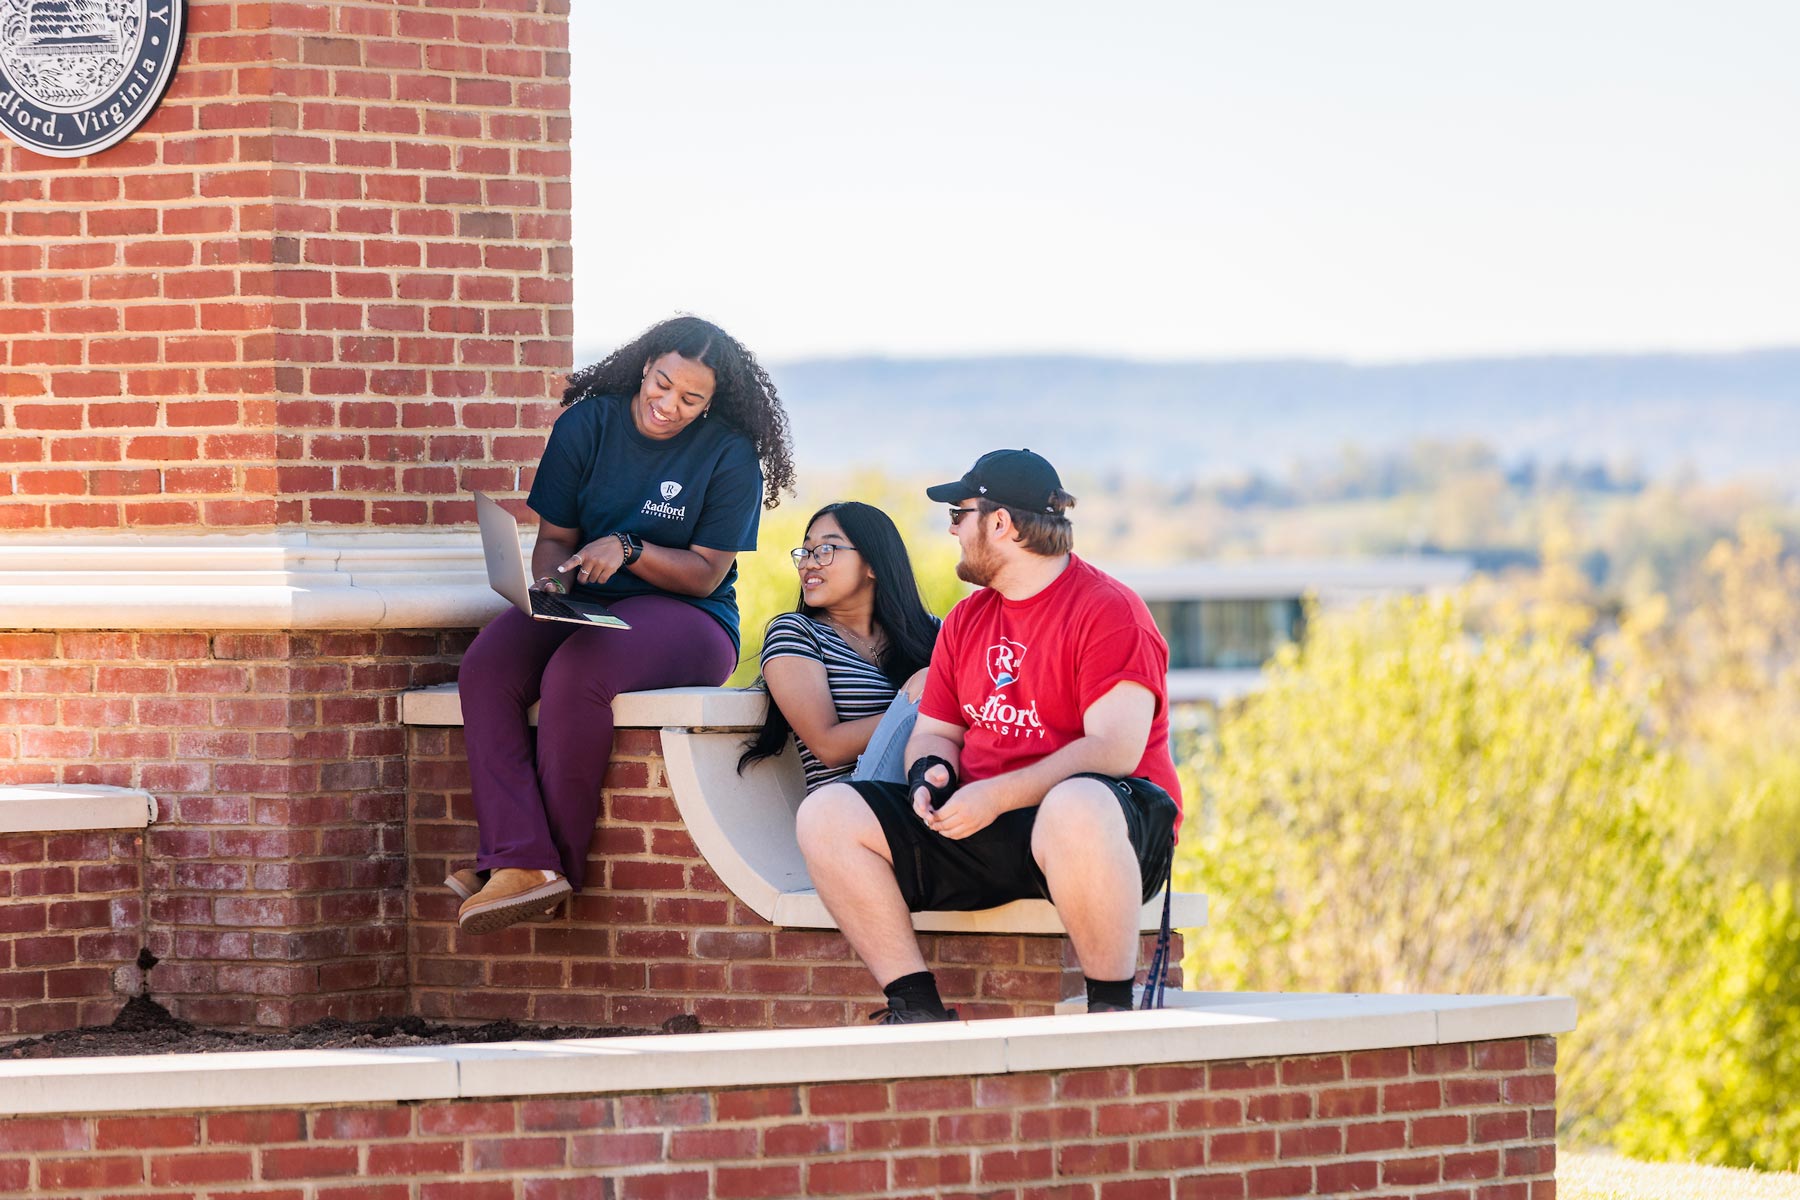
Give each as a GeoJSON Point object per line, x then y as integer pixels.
{"type": "Point", "coordinates": [1722, 677]}
{"type": "Point", "coordinates": [1720, 1081]}
{"type": "Point", "coordinates": [1407, 807]}
{"type": "Point", "coordinates": [1553, 601]}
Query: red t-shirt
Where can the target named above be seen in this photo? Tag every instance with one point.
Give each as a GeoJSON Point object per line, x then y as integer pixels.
{"type": "Point", "coordinates": [1019, 674]}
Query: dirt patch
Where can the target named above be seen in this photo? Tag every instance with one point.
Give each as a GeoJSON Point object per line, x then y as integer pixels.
{"type": "Point", "coordinates": [145, 1027]}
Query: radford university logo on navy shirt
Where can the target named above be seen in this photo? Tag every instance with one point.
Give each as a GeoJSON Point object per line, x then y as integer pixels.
{"type": "Point", "coordinates": [662, 508]}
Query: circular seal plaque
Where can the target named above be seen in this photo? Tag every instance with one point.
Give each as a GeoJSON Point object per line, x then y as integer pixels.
{"type": "Point", "coordinates": [77, 76]}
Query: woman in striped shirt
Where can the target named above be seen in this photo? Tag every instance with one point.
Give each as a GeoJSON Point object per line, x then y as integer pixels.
{"type": "Point", "coordinates": [845, 669]}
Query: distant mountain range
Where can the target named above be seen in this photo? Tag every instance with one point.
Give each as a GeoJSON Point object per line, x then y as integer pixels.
{"type": "Point", "coordinates": [1723, 416]}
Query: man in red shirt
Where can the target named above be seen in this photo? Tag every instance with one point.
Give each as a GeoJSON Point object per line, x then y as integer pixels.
{"type": "Point", "coordinates": [1039, 766]}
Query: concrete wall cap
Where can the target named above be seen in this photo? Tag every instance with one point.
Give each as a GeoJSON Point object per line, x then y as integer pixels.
{"type": "Point", "coordinates": [282, 580]}
{"type": "Point", "coordinates": [666, 708]}
{"type": "Point", "coordinates": [72, 807]}
{"type": "Point", "coordinates": [1204, 1028]}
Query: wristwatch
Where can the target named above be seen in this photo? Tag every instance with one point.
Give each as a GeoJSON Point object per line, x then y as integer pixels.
{"type": "Point", "coordinates": [633, 546]}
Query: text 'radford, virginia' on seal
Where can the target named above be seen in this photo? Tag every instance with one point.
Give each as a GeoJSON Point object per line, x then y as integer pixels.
{"type": "Point", "coordinates": [77, 76]}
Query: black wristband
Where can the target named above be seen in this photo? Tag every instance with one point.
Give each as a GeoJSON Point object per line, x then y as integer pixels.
{"type": "Point", "coordinates": [915, 779]}
{"type": "Point", "coordinates": [631, 545]}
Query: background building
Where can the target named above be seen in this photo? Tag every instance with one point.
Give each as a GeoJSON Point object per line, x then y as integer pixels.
{"type": "Point", "coordinates": [1224, 620]}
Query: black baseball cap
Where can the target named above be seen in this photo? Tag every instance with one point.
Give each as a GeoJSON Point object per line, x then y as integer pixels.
{"type": "Point", "coordinates": [1015, 478]}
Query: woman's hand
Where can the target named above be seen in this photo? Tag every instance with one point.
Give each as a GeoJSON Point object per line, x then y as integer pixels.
{"type": "Point", "coordinates": [551, 584]}
{"type": "Point", "coordinates": [595, 562]}
{"type": "Point", "coordinates": [915, 685]}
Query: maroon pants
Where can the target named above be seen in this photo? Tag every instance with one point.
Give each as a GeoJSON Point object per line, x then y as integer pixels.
{"type": "Point", "coordinates": [537, 802]}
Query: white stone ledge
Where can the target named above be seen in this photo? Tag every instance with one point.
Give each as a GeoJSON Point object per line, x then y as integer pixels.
{"type": "Point", "coordinates": [1204, 1028]}
{"type": "Point", "coordinates": [743, 824]}
{"type": "Point", "coordinates": [665, 708]}
{"type": "Point", "coordinates": [803, 909]}
{"type": "Point", "coordinates": [73, 807]}
{"type": "Point", "coordinates": [284, 580]}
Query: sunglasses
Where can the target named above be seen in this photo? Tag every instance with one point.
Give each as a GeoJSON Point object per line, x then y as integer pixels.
{"type": "Point", "coordinates": [957, 514]}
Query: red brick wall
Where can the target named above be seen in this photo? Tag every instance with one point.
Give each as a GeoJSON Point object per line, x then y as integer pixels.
{"type": "Point", "coordinates": [326, 284]}
{"type": "Point", "coordinates": [71, 911]}
{"type": "Point", "coordinates": [293, 838]}
{"type": "Point", "coordinates": [1458, 1122]}
{"type": "Point", "coordinates": [655, 933]}
{"type": "Point", "coordinates": [274, 873]}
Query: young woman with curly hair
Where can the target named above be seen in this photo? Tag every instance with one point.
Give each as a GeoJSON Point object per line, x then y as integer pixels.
{"type": "Point", "coordinates": [651, 484]}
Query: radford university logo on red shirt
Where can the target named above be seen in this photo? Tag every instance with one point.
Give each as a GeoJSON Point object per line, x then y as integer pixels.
{"type": "Point", "coordinates": [1003, 662]}
{"type": "Point", "coordinates": [997, 715]}
{"type": "Point", "coordinates": [1005, 720]}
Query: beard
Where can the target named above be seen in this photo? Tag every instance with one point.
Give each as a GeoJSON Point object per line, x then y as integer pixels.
{"type": "Point", "coordinates": [978, 565]}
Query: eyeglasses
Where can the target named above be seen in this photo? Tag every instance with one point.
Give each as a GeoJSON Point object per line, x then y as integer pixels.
{"type": "Point", "coordinates": [957, 514]}
{"type": "Point", "coordinates": [819, 554]}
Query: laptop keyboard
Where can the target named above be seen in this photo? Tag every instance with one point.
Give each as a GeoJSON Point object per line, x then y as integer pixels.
{"type": "Point", "coordinates": [552, 606]}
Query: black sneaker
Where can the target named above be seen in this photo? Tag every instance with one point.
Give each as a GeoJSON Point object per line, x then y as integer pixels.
{"type": "Point", "coordinates": [898, 1012]}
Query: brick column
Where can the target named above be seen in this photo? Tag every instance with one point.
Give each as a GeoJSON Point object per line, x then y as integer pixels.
{"type": "Point", "coordinates": [322, 294]}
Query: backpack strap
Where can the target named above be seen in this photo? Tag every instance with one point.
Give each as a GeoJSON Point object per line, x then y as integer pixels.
{"type": "Point", "coordinates": [1159, 961]}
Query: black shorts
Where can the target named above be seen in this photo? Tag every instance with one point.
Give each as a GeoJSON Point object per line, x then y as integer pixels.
{"type": "Point", "coordinates": [994, 865]}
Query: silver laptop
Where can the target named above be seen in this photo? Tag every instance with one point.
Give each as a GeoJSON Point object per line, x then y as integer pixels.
{"type": "Point", "coordinates": [508, 575]}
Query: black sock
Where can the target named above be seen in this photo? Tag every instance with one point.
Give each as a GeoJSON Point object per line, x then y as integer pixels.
{"type": "Point", "coordinates": [917, 991]}
{"type": "Point", "coordinates": [1116, 992]}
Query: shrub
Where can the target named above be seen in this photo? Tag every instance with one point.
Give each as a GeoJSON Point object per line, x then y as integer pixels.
{"type": "Point", "coordinates": [1720, 1081]}
{"type": "Point", "coordinates": [1408, 808]}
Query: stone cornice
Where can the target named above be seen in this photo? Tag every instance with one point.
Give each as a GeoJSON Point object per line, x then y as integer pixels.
{"type": "Point", "coordinates": [269, 581]}
{"type": "Point", "coordinates": [1197, 1027]}
{"type": "Point", "coordinates": [58, 807]}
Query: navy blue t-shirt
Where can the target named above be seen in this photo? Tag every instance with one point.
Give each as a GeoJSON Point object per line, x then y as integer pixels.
{"type": "Point", "coordinates": [702, 487]}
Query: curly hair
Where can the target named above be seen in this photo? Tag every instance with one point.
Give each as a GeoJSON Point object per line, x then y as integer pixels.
{"type": "Point", "coordinates": [744, 396]}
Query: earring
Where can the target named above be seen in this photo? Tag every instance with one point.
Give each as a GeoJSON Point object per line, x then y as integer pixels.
{"type": "Point", "coordinates": [706, 412]}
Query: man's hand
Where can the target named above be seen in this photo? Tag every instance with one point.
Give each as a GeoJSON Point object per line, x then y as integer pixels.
{"type": "Point", "coordinates": [973, 808]}
{"type": "Point", "coordinates": [938, 776]}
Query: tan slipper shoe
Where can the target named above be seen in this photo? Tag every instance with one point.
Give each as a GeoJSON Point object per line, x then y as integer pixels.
{"type": "Point", "coordinates": [468, 881]}
{"type": "Point", "coordinates": [512, 895]}
{"type": "Point", "coordinates": [464, 883]}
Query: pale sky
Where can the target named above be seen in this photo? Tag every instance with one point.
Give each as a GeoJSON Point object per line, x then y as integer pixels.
{"type": "Point", "coordinates": [1375, 181]}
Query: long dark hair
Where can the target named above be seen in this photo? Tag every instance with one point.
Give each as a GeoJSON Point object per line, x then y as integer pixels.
{"type": "Point", "coordinates": [743, 394]}
{"type": "Point", "coordinates": [900, 613]}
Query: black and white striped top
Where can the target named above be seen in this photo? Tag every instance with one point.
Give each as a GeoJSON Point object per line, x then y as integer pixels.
{"type": "Point", "coordinates": [858, 688]}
